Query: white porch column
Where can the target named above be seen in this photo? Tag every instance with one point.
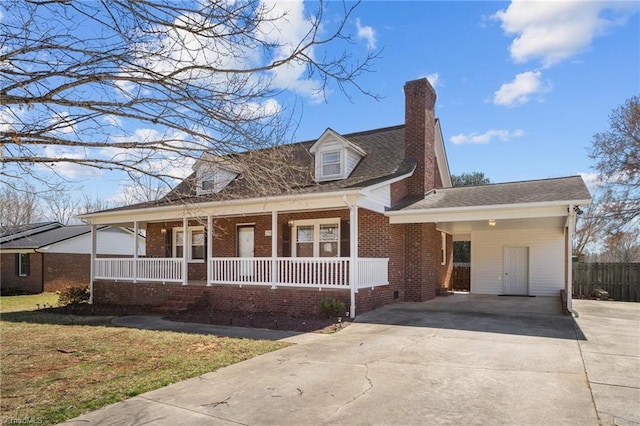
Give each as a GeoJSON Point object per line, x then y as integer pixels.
{"type": "Point", "coordinates": [185, 250]}
{"type": "Point", "coordinates": [135, 251]}
{"type": "Point", "coordinates": [274, 249]}
{"type": "Point", "coordinates": [571, 225]}
{"type": "Point", "coordinates": [353, 267]}
{"type": "Point", "coordinates": [209, 247]}
{"type": "Point", "coordinates": [92, 265]}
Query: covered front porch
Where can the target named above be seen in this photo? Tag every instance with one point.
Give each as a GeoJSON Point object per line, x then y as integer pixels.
{"type": "Point", "coordinates": [252, 246]}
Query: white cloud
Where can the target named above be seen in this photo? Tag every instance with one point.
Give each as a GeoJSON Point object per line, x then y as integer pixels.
{"type": "Point", "coordinates": [70, 169]}
{"type": "Point", "coordinates": [367, 33]}
{"type": "Point", "coordinates": [61, 123]}
{"type": "Point", "coordinates": [486, 137]}
{"type": "Point", "coordinates": [434, 79]}
{"type": "Point", "coordinates": [286, 25]}
{"type": "Point", "coordinates": [592, 180]}
{"type": "Point", "coordinates": [553, 31]}
{"type": "Point", "coordinates": [520, 90]}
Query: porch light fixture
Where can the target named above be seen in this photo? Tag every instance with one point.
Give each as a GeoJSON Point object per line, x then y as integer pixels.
{"type": "Point", "coordinates": [290, 223]}
{"type": "Point", "coordinates": [492, 222]}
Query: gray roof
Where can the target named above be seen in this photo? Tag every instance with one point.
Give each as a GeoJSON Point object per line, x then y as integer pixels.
{"type": "Point", "coordinates": [570, 188]}
{"type": "Point", "coordinates": [384, 160]}
{"type": "Point", "coordinates": [34, 237]}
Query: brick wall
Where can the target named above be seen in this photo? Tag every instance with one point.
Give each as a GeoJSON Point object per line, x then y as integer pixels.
{"type": "Point", "coordinates": [424, 271]}
{"type": "Point", "coordinates": [63, 270]}
{"type": "Point", "coordinates": [419, 134]}
{"type": "Point", "coordinates": [9, 278]}
{"type": "Point", "coordinates": [288, 301]}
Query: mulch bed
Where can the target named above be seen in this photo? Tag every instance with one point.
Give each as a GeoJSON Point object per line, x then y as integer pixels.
{"type": "Point", "coordinates": [271, 321]}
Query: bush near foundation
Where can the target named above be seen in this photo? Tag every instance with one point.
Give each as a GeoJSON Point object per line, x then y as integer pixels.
{"type": "Point", "coordinates": [73, 296]}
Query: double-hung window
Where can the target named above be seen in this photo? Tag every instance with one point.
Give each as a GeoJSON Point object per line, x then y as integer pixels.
{"type": "Point", "coordinates": [331, 164]}
{"type": "Point", "coordinates": [23, 264]}
{"type": "Point", "coordinates": [194, 243]}
{"type": "Point", "coordinates": [317, 238]}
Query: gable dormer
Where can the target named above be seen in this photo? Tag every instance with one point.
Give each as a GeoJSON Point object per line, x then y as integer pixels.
{"type": "Point", "coordinates": [335, 156]}
{"type": "Point", "coordinates": [213, 174]}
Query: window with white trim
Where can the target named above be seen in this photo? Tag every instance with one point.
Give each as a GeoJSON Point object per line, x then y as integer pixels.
{"type": "Point", "coordinates": [23, 264]}
{"type": "Point", "coordinates": [331, 164]}
{"type": "Point", "coordinates": [443, 249]}
{"type": "Point", "coordinates": [317, 238]}
{"type": "Point", "coordinates": [195, 243]}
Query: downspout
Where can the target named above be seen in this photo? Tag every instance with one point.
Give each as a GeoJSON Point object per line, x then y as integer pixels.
{"type": "Point", "coordinates": [353, 243]}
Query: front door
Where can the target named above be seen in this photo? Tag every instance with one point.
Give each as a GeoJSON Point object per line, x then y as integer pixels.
{"type": "Point", "coordinates": [516, 270]}
{"type": "Point", "coordinates": [246, 249]}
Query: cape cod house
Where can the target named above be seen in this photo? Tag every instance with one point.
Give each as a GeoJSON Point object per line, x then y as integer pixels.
{"type": "Point", "coordinates": [375, 226]}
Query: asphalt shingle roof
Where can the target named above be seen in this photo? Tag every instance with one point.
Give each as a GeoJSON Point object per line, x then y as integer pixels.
{"type": "Point", "coordinates": [384, 160]}
{"type": "Point", "coordinates": [37, 239]}
{"type": "Point", "coordinates": [533, 191]}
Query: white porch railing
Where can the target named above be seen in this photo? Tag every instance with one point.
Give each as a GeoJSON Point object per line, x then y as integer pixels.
{"type": "Point", "coordinates": [147, 269]}
{"type": "Point", "coordinates": [315, 272]}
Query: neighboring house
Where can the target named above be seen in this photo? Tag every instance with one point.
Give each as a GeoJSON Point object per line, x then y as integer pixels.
{"type": "Point", "coordinates": [49, 256]}
{"type": "Point", "coordinates": [373, 223]}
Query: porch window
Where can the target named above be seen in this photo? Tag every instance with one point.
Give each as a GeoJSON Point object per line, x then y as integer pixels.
{"type": "Point", "coordinates": [195, 243]}
{"type": "Point", "coordinates": [317, 238]}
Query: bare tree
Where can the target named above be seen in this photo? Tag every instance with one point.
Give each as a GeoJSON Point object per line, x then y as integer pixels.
{"type": "Point", "coordinates": [591, 226]}
{"type": "Point", "coordinates": [60, 206]}
{"type": "Point", "coordinates": [617, 156]}
{"type": "Point", "coordinates": [18, 206]}
{"type": "Point", "coordinates": [147, 87]}
{"type": "Point", "coordinates": [622, 247]}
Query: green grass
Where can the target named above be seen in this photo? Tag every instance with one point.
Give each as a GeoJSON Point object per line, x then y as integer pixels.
{"type": "Point", "coordinates": [56, 367]}
{"type": "Point", "coordinates": [27, 303]}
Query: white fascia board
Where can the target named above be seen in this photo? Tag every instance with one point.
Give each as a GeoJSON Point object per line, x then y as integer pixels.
{"type": "Point", "coordinates": [388, 182]}
{"type": "Point", "coordinates": [225, 208]}
{"type": "Point", "coordinates": [441, 157]}
{"type": "Point", "coordinates": [461, 214]}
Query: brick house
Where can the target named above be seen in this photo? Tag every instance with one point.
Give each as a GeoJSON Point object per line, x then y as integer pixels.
{"type": "Point", "coordinates": [374, 225]}
{"type": "Point", "coordinates": [47, 256]}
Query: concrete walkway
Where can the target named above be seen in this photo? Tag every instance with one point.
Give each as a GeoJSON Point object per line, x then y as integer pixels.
{"type": "Point", "coordinates": [426, 363]}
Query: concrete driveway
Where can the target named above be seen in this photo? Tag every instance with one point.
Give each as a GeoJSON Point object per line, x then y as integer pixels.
{"type": "Point", "coordinates": [454, 360]}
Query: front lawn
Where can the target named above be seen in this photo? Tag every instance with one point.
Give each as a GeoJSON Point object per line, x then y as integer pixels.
{"type": "Point", "coordinates": [55, 367]}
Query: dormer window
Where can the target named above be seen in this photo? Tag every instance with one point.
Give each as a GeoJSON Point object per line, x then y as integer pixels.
{"type": "Point", "coordinates": [335, 156]}
{"type": "Point", "coordinates": [331, 164]}
{"type": "Point", "coordinates": [213, 175]}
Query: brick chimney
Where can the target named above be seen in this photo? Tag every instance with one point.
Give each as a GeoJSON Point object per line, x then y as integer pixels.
{"type": "Point", "coordinates": [419, 134]}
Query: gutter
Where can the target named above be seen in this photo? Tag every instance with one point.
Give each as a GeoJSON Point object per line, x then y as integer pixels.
{"type": "Point", "coordinates": [488, 207]}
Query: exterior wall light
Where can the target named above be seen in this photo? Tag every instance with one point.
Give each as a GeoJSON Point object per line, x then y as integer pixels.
{"type": "Point", "coordinates": [492, 222]}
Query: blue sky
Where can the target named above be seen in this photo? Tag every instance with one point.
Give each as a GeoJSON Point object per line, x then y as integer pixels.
{"type": "Point", "coordinates": [568, 86]}
{"type": "Point", "coordinates": [522, 86]}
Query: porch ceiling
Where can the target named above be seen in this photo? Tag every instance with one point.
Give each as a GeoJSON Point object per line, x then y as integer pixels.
{"type": "Point", "coordinates": [466, 227]}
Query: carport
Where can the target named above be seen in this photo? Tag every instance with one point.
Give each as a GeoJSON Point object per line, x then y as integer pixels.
{"type": "Point", "coordinates": [520, 232]}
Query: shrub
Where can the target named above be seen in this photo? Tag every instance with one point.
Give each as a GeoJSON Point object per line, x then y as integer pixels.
{"type": "Point", "coordinates": [331, 308]}
{"type": "Point", "coordinates": [73, 295]}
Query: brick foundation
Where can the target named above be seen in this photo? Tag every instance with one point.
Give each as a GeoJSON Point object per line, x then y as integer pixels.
{"type": "Point", "coordinates": [286, 301]}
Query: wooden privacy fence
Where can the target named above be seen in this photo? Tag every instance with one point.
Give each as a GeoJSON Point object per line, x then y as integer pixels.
{"type": "Point", "coordinates": [461, 276]}
{"type": "Point", "coordinates": [620, 280]}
